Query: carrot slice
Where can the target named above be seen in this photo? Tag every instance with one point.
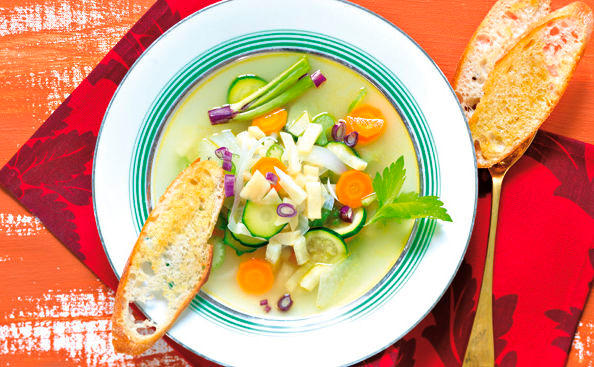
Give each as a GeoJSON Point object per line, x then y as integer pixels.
{"type": "Point", "coordinates": [366, 120]}
{"type": "Point", "coordinates": [255, 276]}
{"type": "Point", "coordinates": [271, 122]}
{"type": "Point", "coordinates": [352, 187]}
{"type": "Point", "coordinates": [267, 164]}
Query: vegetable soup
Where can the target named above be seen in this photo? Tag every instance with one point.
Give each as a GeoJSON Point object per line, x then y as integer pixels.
{"type": "Point", "coordinates": [321, 181]}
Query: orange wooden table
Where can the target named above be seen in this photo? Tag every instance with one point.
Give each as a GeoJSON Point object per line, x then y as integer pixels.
{"type": "Point", "coordinates": [53, 310]}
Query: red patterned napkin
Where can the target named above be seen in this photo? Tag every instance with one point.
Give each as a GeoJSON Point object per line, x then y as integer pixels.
{"type": "Point", "coordinates": [545, 247]}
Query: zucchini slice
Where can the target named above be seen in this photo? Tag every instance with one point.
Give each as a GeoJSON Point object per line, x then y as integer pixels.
{"type": "Point", "coordinates": [324, 245]}
{"type": "Point", "coordinates": [249, 241]}
{"type": "Point", "coordinates": [239, 248]}
{"type": "Point", "coordinates": [347, 230]}
{"type": "Point", "coordinates": [260, 218]}
{"type": "Point", "coordinates": [242, 86]}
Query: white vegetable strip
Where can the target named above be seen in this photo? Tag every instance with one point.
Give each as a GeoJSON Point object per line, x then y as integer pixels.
{"type": "Point", "coordinates": [328, 199]}
{"type": "Point", "coordinates": [256, 132]}
{"type": "Point", "coordinates": [325, 158]}
{"type": "Point", "coordinates": [273, 252]}
{"type": "Point", "coordinates": [291, 153]}
{"type": "Point", "coordinates": [314, 200]}
{"type": "Point", "coordinates": [349, 159]}
{"type": "Point", "coordinates": [294, 280]}
{"type": "Point", "coordinates": [295, 192]}
{"type": "Point", "coordinates": [311, 279]}
{"type": "Point", "coordinates": [300, 249]}
{"type": "Point", "coordinates": [331, 190]}
{"type": "Point", "coordinates": [226, 139]}
{"type": "Point", "coordinates": [307, 140]}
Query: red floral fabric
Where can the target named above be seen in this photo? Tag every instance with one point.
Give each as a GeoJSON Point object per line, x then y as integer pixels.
{"type": "Point", "coordinates": [544, 254]}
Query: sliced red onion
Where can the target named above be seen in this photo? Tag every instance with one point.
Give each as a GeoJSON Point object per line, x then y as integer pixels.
{"type": "Point", "coordinates": [223, 153]}
{"type": "Point", "coordinates": [286, 210]}
{"type": "Point", "coordinates": [221, 115]}
{"type": "Point", "coordinates": [317, 78]}
{"type": "Point", "coordinates": [285, 302]}
{"type": "Point", "coordinates": [339, 130]}
{"type": "Point", "coordinates": [267, 309]}
{"type": "Point", "coordinates": [346, 214]}
{"type": "Point", "coordinates": [229, 185]}
{"type": "Point", "coordinates": [227, 165]}
{"type": "Point", "coordinates": [272, 178]}
{"type": "Point", "coordinates": [263, 302]}
{"type": "Point", "coordinates": [351, 139]}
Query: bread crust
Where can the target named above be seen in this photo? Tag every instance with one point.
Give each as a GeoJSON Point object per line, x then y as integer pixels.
{"type": "Point", "coordinates": [492, 119]}
{"type": "Point", "coordinates": [491, 26]}
{"type": "Point", "coordinates": [206, 176]}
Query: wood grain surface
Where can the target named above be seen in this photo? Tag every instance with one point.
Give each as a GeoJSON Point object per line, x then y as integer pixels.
{"type": "Point", "coordinates": [54, 311]}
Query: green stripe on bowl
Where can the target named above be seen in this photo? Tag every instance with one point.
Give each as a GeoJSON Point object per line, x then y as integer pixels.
{"type": "Point", "coordinates": [327, 46]}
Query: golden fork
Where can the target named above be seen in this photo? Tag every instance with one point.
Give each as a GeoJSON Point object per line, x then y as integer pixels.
{"type": "Point", "coordinates": [480, 351]}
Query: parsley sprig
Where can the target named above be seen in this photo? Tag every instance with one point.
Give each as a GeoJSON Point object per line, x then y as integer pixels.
{"type": "Point", "coordinates": [408, 205]}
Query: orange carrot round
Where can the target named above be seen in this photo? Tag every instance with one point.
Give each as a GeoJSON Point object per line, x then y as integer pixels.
{"type": "Point", "coordinates": [255, 276]}
{"type": "Point", "coordinates": [367, 121]}
{"type": "Point", "coordinates": [352, 187]}
{"type": "Point", "coordinates": [267, 164]}
{"type": "Point", "coordinates": [272, 122]}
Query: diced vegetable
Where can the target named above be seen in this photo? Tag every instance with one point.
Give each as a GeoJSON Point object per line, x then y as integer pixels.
{"type": "Point", "coordinates": [351, 139]}
{"type": "Point", "coordinates": [297, 127]}
{"type": "Point", "coordinates": [239, 248]}
{"type": "Point", "coordinates": [269, 165]}
{"type": "Point", "coordinates": [271, 198]}
{"type": "Point", "coordinates": [366, 120]}
{"type": "Point", "coordinates": [273, 252]}
{"type": "Point", "coordinates": [256, 132]}
{"type": "Point", "coordinates": [260, 220]}
{"type": "Point", "coordinates": [312, 171]}
{"type": "Point", "coordinates": [255, 276]}
{"type": "Point", "coordinates": [275, 151]}
{"type": "Point", "coordinates": [295, 192]}
{"type": "Point", "coordinates": [242, 86]}
{"type": "Point", "coordinates": [352, 187]}
{"type": "Point", "coordinates": [256, 188]}
{"type": "Point", "coordinates": [311, 279]}
{"type": "Point", "coordinates": [346, 229]}
{"type": "Point", "coordinates": [327, 121]}
{"type": "Point", "coordinates": [323, 157]}
{"type": "Point", "coordinates": [272, 122]}
{"type": "Point", "coordinates": [362, 93]}
{"type": "Point", "coordinates": [291, 153]}
{"type": "Point", "coordinates": [229, 184]}
{"type": "Point", "coordinates": [347, 155]}
{"type": "Point", "coordinates": [314, 200]}
{"type": "Point", "coordinates": [308, 139]}
{"type": "Point", "coordinates": [324, 245]}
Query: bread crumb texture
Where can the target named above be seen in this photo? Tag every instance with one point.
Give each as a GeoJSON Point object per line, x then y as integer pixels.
{"type": "Point", "coordinates": [501, 29]}
{"type": "Point", "coordinates": [526, 84]}
{"type": "Point", "coordinates": [171, 259]}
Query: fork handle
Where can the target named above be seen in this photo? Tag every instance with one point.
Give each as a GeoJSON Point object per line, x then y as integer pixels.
{"type": "Point", "coordinates": [480, 350]}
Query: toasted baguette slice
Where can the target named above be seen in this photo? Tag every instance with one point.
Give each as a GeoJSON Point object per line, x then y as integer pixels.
{"type": "Point", "coordinates": [171, 258]}
{"type": "Point", "coordinates": [499, 31]}
{"type": "Point", "coordinates": [527, 83]}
